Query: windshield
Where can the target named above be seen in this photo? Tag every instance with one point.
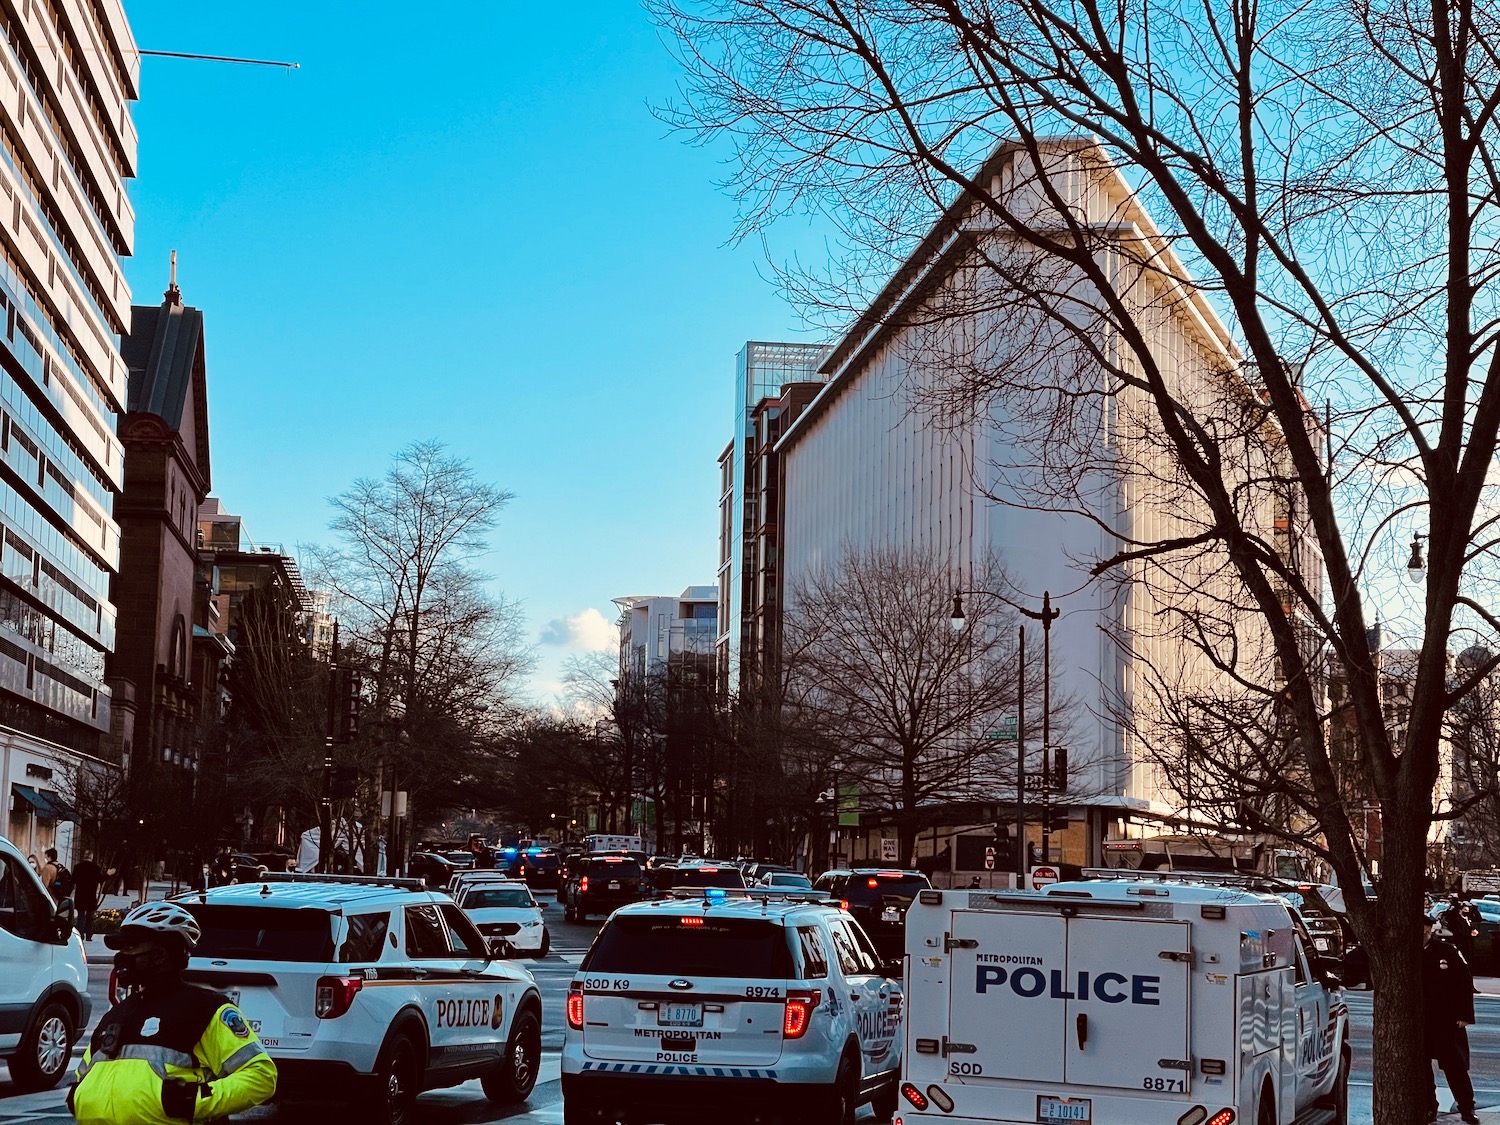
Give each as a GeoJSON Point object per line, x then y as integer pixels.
{"type": "Point", "coordinates": [479, 897]}
{"type": "Point", "coordinates": [262, 934]}
{"type": "Point", "coordinates": [867, 890]}
{"type": "Point", "coordinates": [691, 945]}
{"type": "Point", "coordinates": [614, 869]}
{"type": "Point", "coordinates": [801, 881]}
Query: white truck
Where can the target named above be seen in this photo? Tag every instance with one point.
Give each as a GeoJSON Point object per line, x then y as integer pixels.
{"type": "Point", "coordinates": [608, 842]}
{"type": "Point", "coordinates": [1127, 999]}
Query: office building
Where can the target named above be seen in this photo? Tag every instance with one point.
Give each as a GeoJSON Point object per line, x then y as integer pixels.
{"type": "Point", "coordinates": [69, 70]}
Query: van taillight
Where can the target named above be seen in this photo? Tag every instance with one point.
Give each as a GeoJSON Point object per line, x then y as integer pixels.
{"type": "Point", "coordinates": [913, 1095]}
{"type": "Point", "coordinates": [1223, 1117]}
{"type": "Point", "coordinates": [334, 995]}
{"type": "Point", "coordinates": [575, 1007]}
{"type": "Point", "coordinates": [799, 1010]}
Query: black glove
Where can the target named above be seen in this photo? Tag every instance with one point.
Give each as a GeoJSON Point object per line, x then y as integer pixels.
{"type": "Point", "coordinates": [179, 1098]}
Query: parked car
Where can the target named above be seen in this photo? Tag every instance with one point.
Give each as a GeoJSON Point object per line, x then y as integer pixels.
{"type": "Point", "coordinates": [436, 869]}
{"type": "Point", "coordinates": [878, 898]}
{"type": "Point", "coordinates": [600, 885]}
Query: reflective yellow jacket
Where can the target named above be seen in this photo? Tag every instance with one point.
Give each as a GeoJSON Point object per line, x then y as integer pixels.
{"type": "Point", "coordinates": [184, 1032]}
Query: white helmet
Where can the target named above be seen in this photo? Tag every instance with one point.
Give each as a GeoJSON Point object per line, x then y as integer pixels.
{"type": "Point", "coordinates": [159, 918]}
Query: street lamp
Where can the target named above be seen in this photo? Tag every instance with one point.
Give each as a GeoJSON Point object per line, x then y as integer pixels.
{"type": "Point", "coordinates": [1416, 568]}
{"type": "Point", "coordinates": [1046, 615]}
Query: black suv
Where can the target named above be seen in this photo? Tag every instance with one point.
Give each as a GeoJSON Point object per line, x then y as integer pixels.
{"type": "Point", "coordinates": [878, 898]}
{"type": "Point", "coordinates": [697, 875]}
{"type": "Point", "coordinates": [540, 868]}
{"type": "Point", "coordinates": [598, 884]}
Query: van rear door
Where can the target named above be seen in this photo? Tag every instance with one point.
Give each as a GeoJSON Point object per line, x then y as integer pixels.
{"type": "Point", "coordinates": [1127, 1011]}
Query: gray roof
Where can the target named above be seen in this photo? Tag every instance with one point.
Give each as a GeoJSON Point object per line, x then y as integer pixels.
{"type": "Point", "coordinates": [160, 352]}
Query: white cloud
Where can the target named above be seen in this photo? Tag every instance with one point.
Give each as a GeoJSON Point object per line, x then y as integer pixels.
{"type": "Point", "coordinates": [589, 631]}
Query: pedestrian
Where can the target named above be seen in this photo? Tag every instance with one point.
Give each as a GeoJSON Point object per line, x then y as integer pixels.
{"type": "Point", "coordinates": [1448, 1010]}
{"type": "Point", "coordinates": [56, 877]}
{"type": "Point", "coordinates": [1461, 929]}
{"type": "Point", "coordinates": [86, 880]}
{"type": "Point", "coordinates": [171, 1051]}
{"type": "Point", "coordinates": [35, 866]}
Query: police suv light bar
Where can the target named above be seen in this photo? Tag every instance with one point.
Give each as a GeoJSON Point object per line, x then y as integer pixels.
{"type": "Point", "coordinates": [362, 880]}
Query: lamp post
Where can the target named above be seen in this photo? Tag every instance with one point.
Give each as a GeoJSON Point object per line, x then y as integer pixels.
{"type": "Point", "coordinates": [1046, 615]}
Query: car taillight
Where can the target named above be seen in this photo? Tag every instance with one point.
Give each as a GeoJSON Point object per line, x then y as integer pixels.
{"type": "Point", "coordinates": [583, 884]}
{"type": "Point", "coordinates": [334, 995]}
{"type": "Point", "coordinates": [843, 904]}
{"type": "Point", "coordinates": [575, 1007]}
{"type": "Point", "coordinates": [913, 1095]}
{"type": "Point", "coordinates": [1223, 1117]}
{"type": "Point", "coordinates": [799, 1010]}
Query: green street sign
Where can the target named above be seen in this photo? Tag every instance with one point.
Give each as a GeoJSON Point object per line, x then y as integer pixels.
{"type": "Point", "coordinates": [1006, 732]}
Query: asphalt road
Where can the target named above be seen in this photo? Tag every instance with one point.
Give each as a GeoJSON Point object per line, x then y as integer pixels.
{"type": "Point", "coordinates": [466, 1105]}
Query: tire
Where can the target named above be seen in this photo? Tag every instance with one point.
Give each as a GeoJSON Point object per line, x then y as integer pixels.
{"type": "Point", "coordinates": [1341, 1092]}
{"type": "Point", "coordinates": [569, 914]}
{"type": "Point", "coordinates": [546, 942]}
{"type": "Point", "coordinates": [842, 1098]}
{"type": "Point", "coordinates": [398, 1077]}
{"type": "Point", "coordinates": [515, 1077]}
{"type": "Point", "coordinates": [884, 1104]}
{"type": "Point", "coordinates": [1265, 1113]}
{"type": "Point", "coordinates": [45, 1050]}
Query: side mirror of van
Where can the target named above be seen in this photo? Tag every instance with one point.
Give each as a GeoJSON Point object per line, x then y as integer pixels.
{"type": "Point", "coordinates": [66, 918]}
{"type": "Point", "coordinates": [1330, 970]}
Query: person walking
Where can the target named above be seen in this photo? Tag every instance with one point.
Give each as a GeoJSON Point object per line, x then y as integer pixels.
{"type": "Point", "coordinates": [86, 880]}
{"type": "Point", "coordinates": [56, 877]}
{"type": "Point", "coordinates": [171, 1051]}
{"type": "Point", "coordinates": [1447, 1011]}
{"type": "Point", "coordinates": [1460, 927]}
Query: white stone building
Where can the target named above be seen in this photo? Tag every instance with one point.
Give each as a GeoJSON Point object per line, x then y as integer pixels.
{"type": "Point", "coordinates": [867, 465]}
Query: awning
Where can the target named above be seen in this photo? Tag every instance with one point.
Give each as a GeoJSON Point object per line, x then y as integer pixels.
{"type": "Point", "coordinates": [47, 804]}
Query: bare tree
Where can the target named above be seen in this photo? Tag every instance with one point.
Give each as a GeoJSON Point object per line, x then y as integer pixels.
{"type": "Point", "coordinates": [871, 655]}
{"type": "Point", "coordinates": [1327, 171]}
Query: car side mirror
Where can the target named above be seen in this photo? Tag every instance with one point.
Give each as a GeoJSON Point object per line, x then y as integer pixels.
{"type": "Point", "coordinates": [893, 969]}
{"type": "Point", "coordinates": [499, 949]}
{"type": "Point", "coordinates": [1330, 970]}
{"type": "Point", "coordinates": [66, 918]}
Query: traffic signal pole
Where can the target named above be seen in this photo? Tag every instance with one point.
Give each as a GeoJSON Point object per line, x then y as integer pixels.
{"type": "Point", "coordinates": [1021, 846]}
{"type": "Point", "coordinates": [1048, 616]}
{"type": "Point", "coordinates": [325, 803]}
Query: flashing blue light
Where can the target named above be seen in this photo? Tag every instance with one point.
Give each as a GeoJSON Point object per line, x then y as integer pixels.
{"type": "Point", "coordinates": [715, 892]}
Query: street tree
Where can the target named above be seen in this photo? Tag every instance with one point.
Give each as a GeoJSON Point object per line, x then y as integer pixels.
{"type": "Point", "coordinates": [1322, 176]}
{"type": "Point", "coordinates": [876, 666]}
{"type": "Point", "coordinates": [441, 653]}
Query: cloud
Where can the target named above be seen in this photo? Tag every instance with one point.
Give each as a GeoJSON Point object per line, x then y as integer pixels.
{"type": "Point", "coordinates": [589, 631]}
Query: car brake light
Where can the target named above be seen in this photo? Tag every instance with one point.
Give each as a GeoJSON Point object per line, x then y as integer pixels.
{"type": "Point", "coordinates": [1223, 1117]}
{"type": "Point", "coordinates": [575, 1006]}
{"type": "Point", "coordinates": [913, 1095]}
{"type": "Point", "coordinates": [690, 921]}
{"type": "Point", "coordinates": [334, 995]}
{"type": "Point", "coordinates": [583, 884]}
{"type": "Point", "coordinates": [843, 904]}
{"type": "Point", "coordinates": [799, 1010]}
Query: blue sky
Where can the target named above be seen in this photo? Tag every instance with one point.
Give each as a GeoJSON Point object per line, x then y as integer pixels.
{"type": "Point", "coordinates": [468, 227]}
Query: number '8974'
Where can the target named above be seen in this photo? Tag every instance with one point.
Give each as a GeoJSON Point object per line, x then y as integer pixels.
{"type": "Point", "coordinates": [1165, 1085]}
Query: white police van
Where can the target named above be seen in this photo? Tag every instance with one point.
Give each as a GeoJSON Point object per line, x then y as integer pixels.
{"type": "Point", "coordinates": [368, 988]}
{"type": "Point", "coordinates": [44, 976]}
{"type": "Point", "coordinates": [1130, 1000]}
{"type": "Point", "coordinates": [770, 1002]}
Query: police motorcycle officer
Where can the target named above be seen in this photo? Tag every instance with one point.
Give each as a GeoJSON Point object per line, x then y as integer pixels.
{"type": "Point", "coordinates": [171, 1052]}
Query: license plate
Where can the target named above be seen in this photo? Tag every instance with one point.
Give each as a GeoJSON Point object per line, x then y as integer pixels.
{"type": "Point", "coordinates": [1321, 943]}
{"type": "Point", "coordinates": [1064, 1109]}
{"type": "Point", "coordinates": [614, 886]}
{"type": "Point", "coordinates": [680, 1015]}
{"type": "Point", "coordinates": [890, 914]}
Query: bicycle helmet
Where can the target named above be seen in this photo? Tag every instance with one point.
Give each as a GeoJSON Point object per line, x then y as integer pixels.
{"type": "Point", "coordinates": [153, 918]}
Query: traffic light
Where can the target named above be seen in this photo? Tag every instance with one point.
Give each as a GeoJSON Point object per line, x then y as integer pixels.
{"type": "Point", "coordinates": [1059, 769]}
{"type": "Point", "coordinates": [349, 704]}
{"type": "Point", "coordinates": [1057, 820]}
{"type": "Point", "coordinates": [345, 783]}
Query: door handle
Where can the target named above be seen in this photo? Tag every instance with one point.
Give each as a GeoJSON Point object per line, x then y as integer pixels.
{"type": "Point", "coordinates": [1083, 1029]}
{"type": "Point", "coordinates": [419, 974]}
{"type": "Point", "coordinates": [854, 996]}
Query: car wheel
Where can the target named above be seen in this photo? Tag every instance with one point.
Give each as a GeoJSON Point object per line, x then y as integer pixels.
{"type": "Point", "coordinates": [546, 942]}
{"type": "Point", "coordinates": [1341, 1092]}
{"type": "Point", "coordinates": [569, 913]}
{"type": "Point", "coordinates": [42, 1058]}
{"type": "Point", "coordinates": [843, 1096]}
{"type": "Point", "coordinates": [884, 1104]}
{"type": "Point", "coordinates": [514, 1079]}
{"type": "Point", "coordinates": [397, 1077]}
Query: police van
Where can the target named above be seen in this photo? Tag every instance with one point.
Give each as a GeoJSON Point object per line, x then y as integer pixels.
{"type": "Point", "coordinates": [771, 1002]}
{"type": "Point", "coordinates": [368, 990]}
{"type": "Point", "coordinates": [1131, 999]}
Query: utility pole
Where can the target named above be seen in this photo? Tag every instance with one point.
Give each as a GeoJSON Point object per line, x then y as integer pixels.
{"type": "Point", "coordinates": [1021, 846]}
{"type": "Point", "coordinates": [325, 804]}
{"type": "Point", "coordinates": [1048, 616]}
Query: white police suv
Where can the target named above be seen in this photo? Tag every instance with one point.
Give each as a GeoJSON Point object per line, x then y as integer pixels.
{"type": "Point", "coordinates": [772, 1002]}
{"type": "Point", "coordinates": [44, 976]}
{"type": "Point", "coordinates": [367, 987]}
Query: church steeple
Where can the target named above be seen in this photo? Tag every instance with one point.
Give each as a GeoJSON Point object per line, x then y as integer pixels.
{"type": "Point", "coordinates": [173, 295]}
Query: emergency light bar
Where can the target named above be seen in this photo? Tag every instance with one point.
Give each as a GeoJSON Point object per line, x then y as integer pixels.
{"type": "Point", "coordinates": [360, 880]}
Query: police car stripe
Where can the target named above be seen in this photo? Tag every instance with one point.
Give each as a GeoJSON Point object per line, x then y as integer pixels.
{"type": "Point", "coordinates": [690, 1071]}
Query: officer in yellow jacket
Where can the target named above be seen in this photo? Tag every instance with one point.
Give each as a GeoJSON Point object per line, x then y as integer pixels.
{"type": "Point", "coordinates": [171, 1052]}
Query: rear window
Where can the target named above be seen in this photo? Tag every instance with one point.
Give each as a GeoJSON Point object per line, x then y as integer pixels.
{"type": "Point", "coordinates": [707, 877]}
{"type": "Point", "coordinates": [867, 890]}
{"type": "Point", "coordinates": [257, 933]}
{"type": "Point", "coordinates": [613, 869]}
{"type": "Point", "coordinates": [478, 897]}
{"type": "Point", "coordinates": [691, 945]}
